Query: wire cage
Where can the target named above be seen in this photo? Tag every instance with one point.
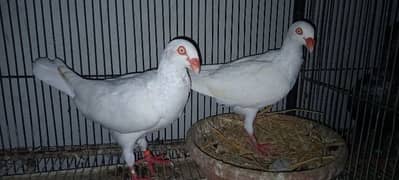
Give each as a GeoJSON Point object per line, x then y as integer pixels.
{"type": "Point", "coordinates": [352, 77]}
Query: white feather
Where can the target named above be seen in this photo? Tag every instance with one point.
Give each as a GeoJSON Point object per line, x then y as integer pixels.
{"type": "Point", "coordinates": [49, 71]}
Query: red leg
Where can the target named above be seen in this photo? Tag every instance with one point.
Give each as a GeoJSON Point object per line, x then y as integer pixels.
{"type": "Point", "coordinates": [263, 149]}
{"type": "Point", "coordinates": [151, 160]}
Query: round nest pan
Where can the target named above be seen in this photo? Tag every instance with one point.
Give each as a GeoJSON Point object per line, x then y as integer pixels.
{"type": "Point", "coordinates": [300, 148]}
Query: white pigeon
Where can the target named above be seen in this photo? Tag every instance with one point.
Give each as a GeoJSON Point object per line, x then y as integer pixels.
{"type": "Point", "coordinates": [131, 105]}
{"type": "Point", "coordinates": [251, 83]}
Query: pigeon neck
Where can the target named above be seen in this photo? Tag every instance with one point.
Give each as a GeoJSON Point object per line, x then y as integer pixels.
{"type": "Point", "coordinates": [172, 73]}
{"type": "Point", "coordinates": [291, 47]}
{"type": "Point", "coordinates": [291, 61]}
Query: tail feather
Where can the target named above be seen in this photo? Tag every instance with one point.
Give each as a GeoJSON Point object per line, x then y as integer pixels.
{"type": "Point", "coordinates": [55, 73]}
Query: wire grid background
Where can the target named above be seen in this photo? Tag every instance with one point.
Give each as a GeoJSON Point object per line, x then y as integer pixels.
{"type": "Point", "coordinates": [352, 78]}
{"type": "Point", "coordinates": [102, 39]}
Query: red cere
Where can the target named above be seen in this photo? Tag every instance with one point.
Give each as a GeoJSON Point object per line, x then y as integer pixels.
{"type": "Point", "coordinates": [181, 50]}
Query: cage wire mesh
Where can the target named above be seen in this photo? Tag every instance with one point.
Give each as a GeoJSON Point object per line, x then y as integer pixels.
{"type": "Point", "coordinates": [42, 130]}
{"type": "Point", "coordinates": [351, 77]}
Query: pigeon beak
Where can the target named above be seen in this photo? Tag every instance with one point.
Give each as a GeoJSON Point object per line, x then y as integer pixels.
{"type": "Point", "coordinates": [310, 44]}
{"type": "Point", "coordinates": [194, 64]}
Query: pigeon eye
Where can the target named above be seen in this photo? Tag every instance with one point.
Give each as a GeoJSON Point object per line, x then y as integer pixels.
{"type": "Point", "coordinates": [299, 31]}
{"type": "Point", "coordinates": [181, 50]}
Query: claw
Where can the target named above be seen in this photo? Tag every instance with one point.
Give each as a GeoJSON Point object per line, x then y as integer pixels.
{"type": "Point", "coordinates": [262, 149]}
{"type": "Point", "coordinates": [151, 160]}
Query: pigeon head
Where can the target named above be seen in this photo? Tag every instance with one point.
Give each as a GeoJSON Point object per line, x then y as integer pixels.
{"type": "Point", "coordinates": [302, 32]}
{"type": "Point", "coordinates": [183, 52]}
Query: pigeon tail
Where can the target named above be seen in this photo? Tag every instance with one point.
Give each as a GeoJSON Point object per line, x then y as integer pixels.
{"type": "Point", "coordinates": [55, 73]}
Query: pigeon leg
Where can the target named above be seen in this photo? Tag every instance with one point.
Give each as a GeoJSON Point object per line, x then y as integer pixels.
{"type": "Point", "coordinates": [250, 115]}
{"type": "Point", "coordinates": [151, 160]}
{"type": "Point", "coordinates": [263, 149]}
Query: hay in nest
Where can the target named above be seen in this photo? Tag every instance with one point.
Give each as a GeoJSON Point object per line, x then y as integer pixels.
{"type": "Point", "coordinates": [297, 144]}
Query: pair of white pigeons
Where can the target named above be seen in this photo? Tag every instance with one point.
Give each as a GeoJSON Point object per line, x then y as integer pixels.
{"type": "Point", "coordinates": [133, 105]}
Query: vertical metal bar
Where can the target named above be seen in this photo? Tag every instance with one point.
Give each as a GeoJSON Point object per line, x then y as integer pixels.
{"type": "Point", "coordinates": [360, 95]}
{"type": "Point", "coordinates": [310, 5]}
{"type": "Point", "coordinates": [284, 23]}
{"type": "Point", "coordinates": [384, 116]}
{"type": "Point", "coordinates": [184, 33]}
{"type": "Point", "coordinates": [257, 26]}
{"type": "Point", "coordinates": [9, 80]}
{"type": "Point", "coordinates": [205, 43]}
{"type": "Point", "coordinates": [156, 52]}
{"type": "Point", "coordinates": [31, 55]}
{"type": "Point", "coordinates": [238, 29]}
{"type": "Point", "coordinates": [148, 35]}
{"type": "Point", "coordinates": [110, 53]}
{"type": "Point", "coordinates": [224, 33]}
{"type": "Point", "coordinates": [59, 92]}
{"type": "Point", "coordinates": [337, 71]}
{"type": "Point", "coordinates": [395, 113]}
{"type": "Point", "coordinates": [231, 29]}
{"type": "Point", "coordinates": [177, 21]}
{"type": "Point", "coordinates": [24, 74]}
{"type": "Point", "coordinates": [316, 74]}
{"type": "Point", "coordinates": [192, 35]}
{"type": "Point", "coordinates": [270, 22]}
{"type": "Point", "coordinates": [329, 93]}
{"type": "Point", "coordinates": [177, 33]}
{"type": "Point", "coordinates": [198, 37]}
{"type": "Point", "coordinates": [343, 55]}
{"type": "Point", "coordinates": [81, 68]}
{"type": "Point", "coordinates": [103, 56]}
{"type": "Point", "coordinates": [118, 37]}
{"type": "Point", "coordinates": [73, 65]}
{"type": "Point", "coordinates": [245, 27]}
{"type": "Point", "coordinates": [382, 23]}
{"type": "Point", "coordinates": [355, 49]}
{"type": "Point", "coordinates": [212, 51]}
{"type": "Point", "coordinates": [124, 36]}
{"type": "Point", "coordinates": [217, 41]}
{"type": "Point", "coordinates": [327, 31]}
{"type": "Point", "coordinates": [93, 125]}
{"type": "Point", "coordinates": [367, 95]}
{"type": "Point", "coordinates": [170, 24]}
{"type": "Point", "coordinates": [395, 166]}
{"type": "Point", "coordinates": [299, 10]}
{"type": "Point", "coordinates": [110, 40]}
{"type": "Point", "coordinates": [184, 17]}
{"type": "Point", "coordinates": [170, 38]}
{"type": "Point", "coordinates": [250, 27]}
{"type": "Point", "coordinates": [41, 84]}
{"type": "Point", "coordinates": [276, 27]}
{"type": "Point", "coordinates": [264, 25]}
{"type": "Point", "coordinates": [5, 114]}
{"type": "Point", "coordinates": [156, 34]}
{"type": "Point", "coordinates": [50, 89]}
{"type": "Point", "coordinates": [141, 34]}
{"type": "Point", "coordinates": [88, 63]}
{"type": "Point", "coordinates": [134, 36]}
{"type": "Point", "coordinates": [34, 82]}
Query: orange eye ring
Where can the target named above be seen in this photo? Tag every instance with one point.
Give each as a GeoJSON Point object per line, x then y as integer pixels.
{"type": "Point", "coordinates": [299, 31]}
{"type": "Point", "coordinates": [181, 50]}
